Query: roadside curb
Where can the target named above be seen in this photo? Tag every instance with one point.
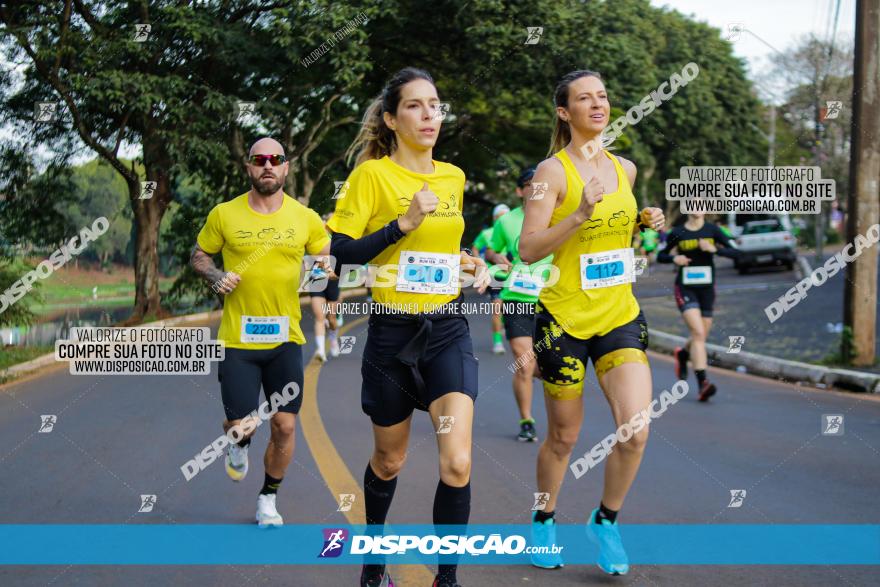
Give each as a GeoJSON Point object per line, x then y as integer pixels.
{"type": "Point", "coordinates": [772, 367]}
{"type": "Point", "coordinates": [49, 358]}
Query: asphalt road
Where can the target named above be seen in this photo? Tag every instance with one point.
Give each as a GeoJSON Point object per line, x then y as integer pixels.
{"type": "Point", "coordinates": [808, 332]}
{"type": "Point", "coordinates": [119, 437]}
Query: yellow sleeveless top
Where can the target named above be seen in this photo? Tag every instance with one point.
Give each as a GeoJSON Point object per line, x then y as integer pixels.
{"type": "Point", "coordinates": [584, 313]}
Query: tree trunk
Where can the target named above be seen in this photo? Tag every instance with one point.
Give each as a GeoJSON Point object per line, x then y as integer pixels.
{"type": "Point", "coordinates": [148, 218]}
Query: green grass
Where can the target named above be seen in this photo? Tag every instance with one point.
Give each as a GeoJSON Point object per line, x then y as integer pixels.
{"type": "Point", "coordinates": [13, 355]}
{"type": "Point", "coordinates": [57, 295]}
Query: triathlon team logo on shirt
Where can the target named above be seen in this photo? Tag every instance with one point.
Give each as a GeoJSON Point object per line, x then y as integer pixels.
{"type": "Point", "coordinates": [444, 209]}
{"type": "Point", "coordinates": [334, 541]}
{"type": "Point", "coordinates": [618, 220]}
{"type": "Point", "coordinates": [269, 234]}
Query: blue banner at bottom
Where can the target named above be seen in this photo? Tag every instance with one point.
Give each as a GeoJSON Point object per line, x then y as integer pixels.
{"type": "Point", "coordinates": [481, 544]}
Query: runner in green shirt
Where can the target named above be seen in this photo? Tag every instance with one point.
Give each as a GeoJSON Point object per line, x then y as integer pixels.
{"type": "Point", "coordinates": [518, 297]}
{"type": "Point", "coordinates": [481, 244]}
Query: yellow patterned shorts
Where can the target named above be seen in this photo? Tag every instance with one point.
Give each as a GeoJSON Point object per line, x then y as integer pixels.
{"type": "Point", "coordinates": [562, 358]}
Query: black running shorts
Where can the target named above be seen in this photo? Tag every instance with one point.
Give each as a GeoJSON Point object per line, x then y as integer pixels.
{"type": "Point", "coordinates": [390, 390]}
{"type": "Point", "coordinates": [244, 371]}
{"type": "Point", "coordinates": [519, 319]}
{"type": "Point", "coordinates": [695, 297]}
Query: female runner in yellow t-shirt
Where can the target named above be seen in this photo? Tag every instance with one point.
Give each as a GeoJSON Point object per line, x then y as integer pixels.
{"type": "Point", "coordinates": [586, 217]}
{"type": "Point", "coordinates": [402, 211]}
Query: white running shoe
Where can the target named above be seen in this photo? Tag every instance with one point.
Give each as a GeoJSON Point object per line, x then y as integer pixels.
{"type": "Point", "coordinates": [236, 462]}
{"type": "Point", "coordinates": [339, 320]}
{"type": "Point", "coordinates": [321, 355]}
{"type": "Point", "coordinates": [334, 345]}
{"type": "Point", "coordinates": [498, 348]}
{"type": "Point", "coordinates": [267, 515]}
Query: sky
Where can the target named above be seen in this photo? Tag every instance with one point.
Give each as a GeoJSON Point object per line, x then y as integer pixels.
{"type": "Point", "coordinates": [780, 23]}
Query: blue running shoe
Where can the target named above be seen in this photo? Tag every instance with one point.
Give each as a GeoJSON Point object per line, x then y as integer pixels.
{"type": "Point", "coordinates": [612, 557]}
{"type": "Point", "coordinates": [545, 535]}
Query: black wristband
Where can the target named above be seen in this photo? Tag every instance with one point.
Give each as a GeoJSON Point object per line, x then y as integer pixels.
{"type": "Point", "coordinates": [468, 251]}
{"type": "Point", "coordinates": [393, 232]}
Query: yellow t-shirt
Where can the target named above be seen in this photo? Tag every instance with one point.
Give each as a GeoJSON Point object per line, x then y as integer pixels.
{"type": "Point", "coordinates": [380, 191]}
{"type": "Point", "coordinates": [266, 250]}
{"type": "Point", "coordinates": [584, 313]}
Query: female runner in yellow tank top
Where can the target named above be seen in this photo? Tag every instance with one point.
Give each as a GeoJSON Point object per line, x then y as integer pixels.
{"type": "Point", "coordinates": [586, 217]}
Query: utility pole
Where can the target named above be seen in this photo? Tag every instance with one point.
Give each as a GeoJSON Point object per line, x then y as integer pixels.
{"type": "Point", "coordinates": [771, 140]}
{"type": "Point", "coordinates": [860, 294]}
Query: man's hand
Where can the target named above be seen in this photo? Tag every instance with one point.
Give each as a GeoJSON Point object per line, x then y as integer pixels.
{"type": "Point", "coordinates": [423, 203]}
{"type": "Point", "coordinates": [681, 260]}
{"type": "Point", "coordinates": [227, 283]}
{"type": "Point", "coordinates": [478, 268]}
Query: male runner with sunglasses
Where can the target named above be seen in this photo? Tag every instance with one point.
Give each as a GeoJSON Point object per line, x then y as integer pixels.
{"type": "Point", "coordinates": [263, 235]}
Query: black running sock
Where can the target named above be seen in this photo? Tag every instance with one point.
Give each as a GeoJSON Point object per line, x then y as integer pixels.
{"type": "Point", "coordinates": [378, 494]}
{"type": "Point", "coordinates": [605, 514]}
{"type": "Point", "coordinates": [244, 442]}
{"type": "Point", "coordinates": [270, 485]}
{"type": "Point", "coordinates": [701, 376]}
{"type": "Point", "coordinates": [452, 505]}
{"type": "Point", "coordinates": [542, 516]}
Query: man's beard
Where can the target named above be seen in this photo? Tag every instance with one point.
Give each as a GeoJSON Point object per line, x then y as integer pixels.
{"type": "Point", "coordinates": [267, 189]}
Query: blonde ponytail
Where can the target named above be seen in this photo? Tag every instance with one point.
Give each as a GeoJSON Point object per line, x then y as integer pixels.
{"type": "Point", "coordinates": [374, 140]}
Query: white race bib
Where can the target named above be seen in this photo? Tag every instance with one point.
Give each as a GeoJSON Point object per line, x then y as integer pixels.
{"type": "Point", "coordinates": [428, 273]}
{"type": "Point", "coordinates": [607, 268]}
{"type": "Point", "coordinates": [265, 328]}
{"type": "Point", "coordinates": [522, 281]}
{"type": "Point", "coordinates": [696, 275]}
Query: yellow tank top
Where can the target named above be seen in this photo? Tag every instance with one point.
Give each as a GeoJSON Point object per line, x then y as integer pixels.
{"type": "Point", "coordinates": [584, 313]}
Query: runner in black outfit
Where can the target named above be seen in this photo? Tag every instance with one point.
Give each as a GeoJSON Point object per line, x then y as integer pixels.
{"type": "Point", "coordinates": [695, 243]}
